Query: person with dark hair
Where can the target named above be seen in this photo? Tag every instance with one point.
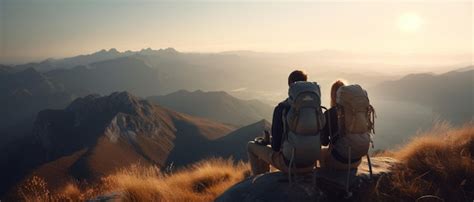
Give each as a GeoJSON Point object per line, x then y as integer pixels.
{"type": "Point", "coordinates": [297, 75]}
{"type": "Point", "coordinates": [281, 154]}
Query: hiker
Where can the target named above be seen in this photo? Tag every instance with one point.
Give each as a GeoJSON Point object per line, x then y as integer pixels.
{"type": "Point", "coordinates": [347, 132]}
{"type": "Point", "coordinates": [297, 122]}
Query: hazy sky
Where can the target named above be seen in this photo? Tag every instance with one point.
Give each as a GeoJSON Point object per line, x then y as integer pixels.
{"type": "Point", "coordinates": [37, 29]}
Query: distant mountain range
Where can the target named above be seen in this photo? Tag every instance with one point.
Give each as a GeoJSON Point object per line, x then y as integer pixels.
{"type": "Point", "coordinates": [96, 135]}
{"type": "Point", "coordinates": [82, 60]}
{"type": "Point", "coordinates": [125, 73]}
{"type": "Point", "coordinates": [217, 106]}
{"type": "Point", "coordinates": [173, 70]}
{"type": "Point", "coordinates": [340, 61]}
{"type": "Point", "coordinates": [450, 94]}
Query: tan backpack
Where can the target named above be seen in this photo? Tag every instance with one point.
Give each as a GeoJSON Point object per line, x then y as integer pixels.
{"type": "Point", "coordinates": [356, 123]}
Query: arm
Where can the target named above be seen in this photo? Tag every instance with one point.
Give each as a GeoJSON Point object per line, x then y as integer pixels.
{"type": "Point", "coordinates": [331, 123]}
{"type": "Point", "coordinates": [277, 128]}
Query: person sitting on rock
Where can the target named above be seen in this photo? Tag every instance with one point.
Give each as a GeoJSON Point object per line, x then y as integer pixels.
{"type": "Point", "coordinates": [349, 122]}
{"type": "Point", "coordinates": [297, 122]}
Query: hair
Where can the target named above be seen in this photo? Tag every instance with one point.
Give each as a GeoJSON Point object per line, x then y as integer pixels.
{"type": "Point", "coordinates": [335, 86]}
{"type": "Point", "coordinates": [297, 75]}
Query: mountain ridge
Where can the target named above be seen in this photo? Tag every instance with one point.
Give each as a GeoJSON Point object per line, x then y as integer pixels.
{"type": "Point", "coordinates": [450, 94]}
{"type": "Point", "coordinates": [215, 105]}
{"type": "Point", "coordinates": [84, 140]}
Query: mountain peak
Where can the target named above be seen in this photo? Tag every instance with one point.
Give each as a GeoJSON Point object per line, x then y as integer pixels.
{"type": "Point", "coordinates": [149, 51]}
{"type": "Point", "coordinates": [113, 50]}
{"type": "Point", "coordinates": [105, 51]}
{"type": "Point", "coordinates": [117, 102]}
{"type": "Point", "coordinates": [132, 128]}
{"type": "Point", "coordinates": [125, 98]}
{"type": "Point", "coordinates": [170, 50]}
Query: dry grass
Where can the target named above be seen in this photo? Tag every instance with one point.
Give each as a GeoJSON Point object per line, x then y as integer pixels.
{"type": "Point", "coordinates": [36, 189]}
{"type": "Point", "coordinates": [202, 181]}
{"type": "Point", "coordinates": [438, 164]}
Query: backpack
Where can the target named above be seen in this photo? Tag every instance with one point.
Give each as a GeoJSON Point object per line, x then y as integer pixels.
{"type": "Point", "coordinates": [303, 121]}
{"type": "Point", "coordinates": [355, 117]}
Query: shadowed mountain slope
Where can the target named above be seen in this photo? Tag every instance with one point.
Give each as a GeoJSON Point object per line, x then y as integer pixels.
{"type": "Point", "coordinates": [119, 122]}
{"type": "Point", "coordinates": [22, 95]}
{"type": "Point", "coordinates": [96, 135]}
{"type": "Point", "coordinates": [232, 145]}
{"type": "Point", "coordinates": [235, 143]}
{"type": "Point", "coordinates": [450, 94]}
{"type": "Point", "coordinates": [218, 106]}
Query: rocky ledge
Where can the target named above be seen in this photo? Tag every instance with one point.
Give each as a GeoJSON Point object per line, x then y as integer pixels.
{"type": "Point", "coordinates": [331, 185]}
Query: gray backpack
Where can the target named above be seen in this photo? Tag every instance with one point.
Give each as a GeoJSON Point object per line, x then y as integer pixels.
{"type": "Point", "coordinates": [355, 122]}
{"type": "Point", "coordinates": [301, 144]}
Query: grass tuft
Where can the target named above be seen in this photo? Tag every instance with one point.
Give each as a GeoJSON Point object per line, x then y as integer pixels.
{"type": "Point", "coordinates": [438, 164]}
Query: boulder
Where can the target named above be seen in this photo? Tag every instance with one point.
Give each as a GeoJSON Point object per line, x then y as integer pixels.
{"type": "Point", "coordinates": [330, 185]}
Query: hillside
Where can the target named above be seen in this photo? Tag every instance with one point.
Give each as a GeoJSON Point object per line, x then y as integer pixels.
{"type": "Point", "coordinates": [436, 165]}
{"type": "Point", "coordinates": [450, 94]}
{"type": "Point", "coordinates": [217, 106]}
{"type": "Point", "coordinates": [96, 135]}
{"type": "Point", "coordinates": [22, 95]}
{"type": "Point", "coordinates": [118, 125]}
{"type": "Point", "coordinates": [234, 144]}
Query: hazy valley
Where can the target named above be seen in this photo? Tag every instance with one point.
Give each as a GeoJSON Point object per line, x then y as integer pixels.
{"type": "Point", "coordinates": [85, 117]}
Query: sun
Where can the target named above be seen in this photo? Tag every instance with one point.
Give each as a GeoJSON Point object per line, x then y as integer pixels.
{"type": "Point", "coordinates": [410, 22]}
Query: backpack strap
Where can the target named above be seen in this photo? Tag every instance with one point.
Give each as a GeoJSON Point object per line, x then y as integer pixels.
{"type": "Point", "coordinates": [370, 166]}
{"type": "Point", "coordinates": [285, 125]}
{"type": "Point", "coordinates": [348, 192]}
{"type": "Point", "coordinates": [284, 113]}
{"type": "Point", "coordinates": [372, 117]}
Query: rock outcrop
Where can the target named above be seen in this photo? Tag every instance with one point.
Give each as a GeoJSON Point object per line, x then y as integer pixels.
{"type": "Point", "coordinates": [275, 186]}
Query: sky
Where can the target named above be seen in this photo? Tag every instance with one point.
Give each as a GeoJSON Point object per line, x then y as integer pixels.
{"type": "Point", "coordinates": [38, 29]}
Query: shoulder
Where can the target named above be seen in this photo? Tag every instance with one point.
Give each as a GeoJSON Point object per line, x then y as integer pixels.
{"type": "Point", "coordinates": [282, 105]}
